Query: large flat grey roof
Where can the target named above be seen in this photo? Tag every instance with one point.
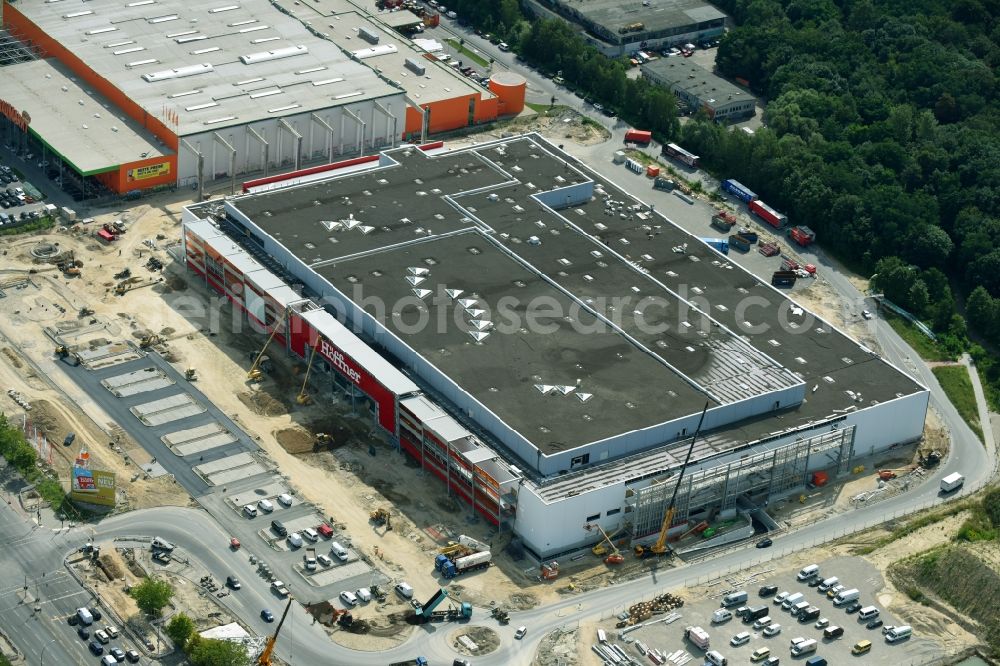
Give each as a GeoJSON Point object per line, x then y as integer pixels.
{"type": "Point", "coordinates": [290, 70]}
{"type": "Point", "coordinates": [694, 79]}
{"type": "Point", "coordinates": [471, 220]}
{"type": "Point", "coordinates": [73, 120]}
{"type": "Point", "coordinates": [657, 15]}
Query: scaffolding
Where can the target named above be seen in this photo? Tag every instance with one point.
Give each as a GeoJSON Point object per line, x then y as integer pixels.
{"type": "Point", "coordinates": [768, 473]}
{"type": "Point", "coordinates": [13, 50]}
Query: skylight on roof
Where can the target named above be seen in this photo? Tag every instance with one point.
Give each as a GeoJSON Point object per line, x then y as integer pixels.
{"type": "Point", "coordinates": [226, 8]}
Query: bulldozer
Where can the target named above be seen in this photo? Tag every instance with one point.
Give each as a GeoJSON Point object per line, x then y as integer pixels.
{"type": "Point", "coordinates": [500, 615]}
{"type": "Point", "coordinates": [85, 312]}
{"type": "Point", "coordinates": [191, 374]}
{"type": "Point", "coordinates": [931, 459]}
{"type": "Point", "coordinates": [150, 340]}
{"type": "Point", "coordinates": [61, 351]}
{"type": "Point", "coordinates": [382, 517]}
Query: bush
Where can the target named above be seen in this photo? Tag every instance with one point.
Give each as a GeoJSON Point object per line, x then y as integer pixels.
{"type": "Point", "coordinates": [180, 629]}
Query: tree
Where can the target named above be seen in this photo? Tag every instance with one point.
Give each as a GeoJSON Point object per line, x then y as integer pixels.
{"type": "Point", "coordinates": [212, 652]}
{"type": "Point", "coordinates": [928, 246]}
{"type": "Point", "coordinates": [981, 309]}
{"type": "Point", "coordinates": [151, 595]}
{"type": "Point", "coordinates": [180, 629]}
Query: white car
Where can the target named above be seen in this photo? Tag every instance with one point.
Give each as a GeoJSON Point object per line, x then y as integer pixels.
{"type": "Point", "coordinates": [324, 560]}
{"type": "Point", "coordinates": [772, 630]}
{"type": "Point", "coordinates": [762, 622]}
{"type": "Point", "coordinates": [349, 598]}
{"type": "Point", "coordinates": [111, 631]}
{"type": "Point", "coordinates": [295, 540]}
{"type": "Point", "coordinates": [741, 638]}
{"type": "Point", "coordinates": [866, 314]}
{"type": "Point", "coordinates": [521, 631]}
{"type": "Point", "coordinates": [102, 636]}
{"type": "Point", "coordinates": [265, 506]}
{"type": "Point", "coordinates": [250, 510]}
{"type": "Point", "coordinates": [781, 596]}
{"type": "Point", "coordinates": [822, 623]}
{"type": "Point", "coordinates": [285, 499]}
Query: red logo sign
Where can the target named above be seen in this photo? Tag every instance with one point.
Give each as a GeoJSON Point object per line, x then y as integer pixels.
{"type": "Point", "coordinates": [339, 361]}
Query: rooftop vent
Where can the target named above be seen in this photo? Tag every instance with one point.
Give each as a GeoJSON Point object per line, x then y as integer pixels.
{"type": "Point", "coordinates": [178, 72]}
{"type": "Point", "coordinates": [276, 54]}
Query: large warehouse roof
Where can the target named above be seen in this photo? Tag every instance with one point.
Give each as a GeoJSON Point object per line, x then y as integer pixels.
{"type": "Point", "coordinates": [655, 16]}
{"type": "Point", "coordinates": [695, 80]}
{"type": "Point", "coordinates": [211, 65]}
{"type": "Point", "coordinates": [73, 120]}
{"type": "Point", "coordinates": [461, 236]}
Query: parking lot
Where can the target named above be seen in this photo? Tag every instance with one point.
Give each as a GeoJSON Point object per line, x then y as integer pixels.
{"type": "Point", "coordinates": [852, 572]}
{"type": "Point", "coordinates": [17, 206]}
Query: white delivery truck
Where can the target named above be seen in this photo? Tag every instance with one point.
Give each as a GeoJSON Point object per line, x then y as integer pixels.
{"type": "Point", "coordinates": [952, 482]}
{"type": "Point", "coordinates": [846, 597]}
{"type": "Point", "coordinates": [698, 636]}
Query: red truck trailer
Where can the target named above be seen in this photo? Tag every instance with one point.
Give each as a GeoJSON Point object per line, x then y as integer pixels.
{"type": "Point", "coordinates": [768, 214]}
{"type": "Point", "coordinates": [638, 136]}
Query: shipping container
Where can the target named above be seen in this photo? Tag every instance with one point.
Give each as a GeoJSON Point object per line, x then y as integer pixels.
{"type": "Point", "coordinates": [769, 249]}
{"type": "Point", "coordinates": [783, 278]}
{"type": "Point", "coordinates": [739, 242]}
{"type": "Point", "coordinates": [638, 136]}
{"type": "Point", "coordinates": [652, 171]}
{"type": "Point", "coordinates": [802, 235]}
{"type": "Point", "coordinates": [681, 155]}
{"type": "Point", "coordinates": [738, 190]}
{"type": "Point", "coordinates": [721, 223]}
{"type": "Point", "coordinates": [768, 214]}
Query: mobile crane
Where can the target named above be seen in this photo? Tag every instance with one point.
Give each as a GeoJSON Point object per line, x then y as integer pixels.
{"type": "Point", "coordinates": [303, 398]}
{"type": "Point", "coordinates": [660, 547]}
{"type": "Point", "coordinates": [265, 656]}
{"type": "Point", "coordinates": [254, 374]}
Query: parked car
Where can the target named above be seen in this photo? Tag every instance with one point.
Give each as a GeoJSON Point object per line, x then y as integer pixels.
{"type": "Point", "coordinates": [765, 542]}
{"type": "Point", "coordinates": [767, 590]}
{"type": "Point", "coordinates": [102, 636]}
{"type": "Point", "coordinates": [132, 656]}
{"type": "Point", "coordinates": [772, 630]}
{"type": "Point", "coordinates": [874, 624]}
{"type": "Point", "coordinates": [111, 631]}
{"type": "Point", "coordinates": [854, 607]}
{"type": "Point", "coordinates": [83, 632]}
{"type": "Point", "coordinates": [118, 654]}
{"type": "Point", "coordinates": [285, 499]}
{"type": "Point", "coordinates": [822, 623]}
{"type": "Point", "coordinates": [96, 648]}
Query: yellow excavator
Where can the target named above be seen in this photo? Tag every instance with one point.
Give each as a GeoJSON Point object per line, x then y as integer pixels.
{"type": "Point", "coordinates": [150, 340]}
{"type": "Point", "coordinates": [303, 398]}
{"type": "Point", "coordinates": [265, 657]}
{"type": "Point", "coordinates": [660, 547]}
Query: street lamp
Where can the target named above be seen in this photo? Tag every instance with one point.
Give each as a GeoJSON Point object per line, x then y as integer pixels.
{"type": "Point", "coordinates": [41, 659]}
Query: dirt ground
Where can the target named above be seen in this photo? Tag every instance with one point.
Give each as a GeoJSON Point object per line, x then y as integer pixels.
{"type": "Point", "coordinates": [486, 640]}
{"type": "Point", "coordinates": [128, 566]}
{"type": "Point", "coordinates": [564, 124]}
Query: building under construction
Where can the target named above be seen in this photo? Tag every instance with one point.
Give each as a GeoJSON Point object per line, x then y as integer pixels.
{"type": "Point", "coordinates": [545, 343]}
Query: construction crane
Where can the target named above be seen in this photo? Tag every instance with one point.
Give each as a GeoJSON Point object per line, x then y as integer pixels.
{"type": "Point", "coordinates": [600, 549]}
{"type": "Point", "coordinates": [254, 374]}
{"type": "Point", "coordinates": [265, 656]}
{"type": "Point", "coordinates": [660, 547]}
{"type": "Point", "coordinates": [303, 398]}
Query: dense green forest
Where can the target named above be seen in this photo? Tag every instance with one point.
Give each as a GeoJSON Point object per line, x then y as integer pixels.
{"type": "Point", "coordinates": [883, 135]}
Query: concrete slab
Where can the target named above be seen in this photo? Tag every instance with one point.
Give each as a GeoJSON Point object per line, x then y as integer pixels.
{"type": "Point", "coordinates": [152, 384]}
{"type": "Point", "coordinates": [223, 464]}
{"type": "Point", "coordinates": [108, 355]}
{"type": "Point", "coordinates": [190, 434]}
{"type": "Point", "coordinates": [302, 522]}
{"type": "Point", "coordinates": [117, 381]}
{"type": "Point", "coordinates": [235, 474]}
{"type": "Point", "coordinates": [202, 445]}
{"type": "Point", "coordinates": [336, 574]}
{"type": "Point", "coordinates": [165, 410]}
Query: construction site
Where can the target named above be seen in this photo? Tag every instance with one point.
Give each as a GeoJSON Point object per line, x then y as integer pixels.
{"type": "Point", "coordinates": [338, 403]}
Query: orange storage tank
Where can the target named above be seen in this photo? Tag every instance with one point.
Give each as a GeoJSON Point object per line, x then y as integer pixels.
{"type": "Point", "coordinates": [510, 88]}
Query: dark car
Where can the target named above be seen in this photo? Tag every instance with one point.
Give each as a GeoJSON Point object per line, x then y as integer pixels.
{"type": "Point", "coordinates": [96, 648]}
{"type": "Point", "coordinates": [853, 608]}
{"type": "Point", "coordinates": [768, 591]}
{"type": "Point", "coordinates": [765, 542]}
{"type": "Point", "coordinates": [96, 613]}
{"type": "Point", "coordinates": [267, 615]}
{"type": "Point", "coordinates": [132, 656]}
{"type": "Point", "coordinates": [874, 624]}
{"type": "Point", "coordinates": [816, 582]}
{"type": "Point", "coordinates": [118, 654]}
{"type": "Point", "coordinates": [73, 620]}
{"type": "Point", "coordinates": [83, 632]}
{"type": "Point", "coordinates": [279, 528]}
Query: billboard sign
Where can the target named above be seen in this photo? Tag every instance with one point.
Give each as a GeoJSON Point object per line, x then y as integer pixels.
{"type": "Point", "coordinates": [149, 171]}
{"type": "Point", "coordinates": [93, 486]}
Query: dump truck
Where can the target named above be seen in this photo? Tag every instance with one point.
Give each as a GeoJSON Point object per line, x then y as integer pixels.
{"type": "Point", "coordinates": [720, 244]}
{"type": "Point", "coordinates": [450, 568]}
{"type": "Point", "coordinates": [722, 224]}
{"type": "Point", "coordinates": [419, 661]}
{"type": "Point", "coordinates": [280, 588]}
{"type": "Point", "coordinates": [802, 235]}
{"type": "Point", "coordinates": [309, 559]}
{"type": "Point", "coordinates": [769, 249]}
{"type": "Point", "coordinates": [638, 136]}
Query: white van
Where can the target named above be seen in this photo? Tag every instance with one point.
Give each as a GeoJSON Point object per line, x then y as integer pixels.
{"type": "Point", "coordinates": [250, 510]}
{"type": "Point", "coordinates": [715, 658]}
{"type": "Point", "coordinates": [868, 613]}
{"type": "Point", "coordinates": [798, 608]}
{"type": "Point", "coordinates": [265, 506]}
{"type": "Point", "coordinates": [85, 617]}
{"type": "Point", "coordinates": [792, 599]}
{"type": "Point", "coordinates": [722, 615]}
{"type": "Point", "coordinates": [805, 647]}
{"type": "Point", "coordinates": [739, 639]}
{"type": "Point", "coordinates": [349, 598]}
{"type": "Point", "coordinates": [898, 633]}
{"type": "Point", "coordinates": [404, 590]}
{"type": "Point", "coordinates": [364, 594]}
{"type": "Point", "coordinates": [781, 596]}
{"type": "Point", "coordinates": [295, 540]}
{"type": "Point", "coordinates": [734, 598]}
{"type": "Point", "coordinates": [808, 572]}
{"type": "Point", "coordinates": [338, 551]}
{"type": "Point", "coordinates": [846, 597]}
{"type": "Point", "coordinates": [828, 583]}
{"type": "Point", "coordinates": [311, 534]}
